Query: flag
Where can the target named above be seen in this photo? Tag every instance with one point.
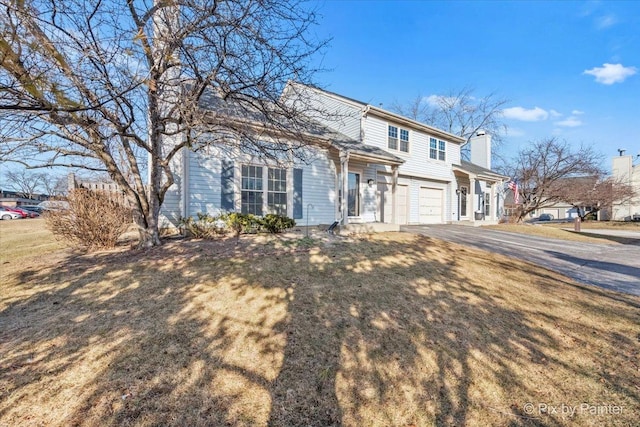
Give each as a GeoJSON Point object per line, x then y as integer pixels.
{"type": "Point", "coordinates": [513, 186]}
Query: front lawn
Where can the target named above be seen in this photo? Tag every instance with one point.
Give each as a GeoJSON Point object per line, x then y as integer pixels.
{"type": "Point", "coordinates": [388, 330]}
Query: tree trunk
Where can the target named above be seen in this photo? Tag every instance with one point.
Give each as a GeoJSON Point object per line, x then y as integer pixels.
{"type": "Point", "coordinates": [149, 237]}
{"type": "Point", "coordinates": [148, 222]}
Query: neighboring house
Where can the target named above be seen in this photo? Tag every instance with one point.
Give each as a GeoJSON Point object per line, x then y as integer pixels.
{"type": "Point", "coordinates": [104, 185]}
{"type": "Point", "coordinates": [624, 170]}
{"type": "Point", "coordinates": [564, 210]}
{"type": "Point", "coordinates": [17, 199]}
{"type": "Point", "coordinates": [393, 171]}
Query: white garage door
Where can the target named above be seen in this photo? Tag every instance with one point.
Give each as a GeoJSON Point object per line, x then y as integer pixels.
{"type": "Point", "coordinates": [402, 209]}
{"type": "Point", "coordinates": [430, 205]}
{"type": "Point", "coordinates": [386, 200]}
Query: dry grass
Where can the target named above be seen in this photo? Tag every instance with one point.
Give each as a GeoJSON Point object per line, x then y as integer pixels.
{"type": "Point", "coordinates": [610, 225]}
{"type": "Point", "coordinates": [25, 238]}
{"type": "Point", "coordinates": [391, 330]}
{"type": "Point", "coordinates": [562, 232]}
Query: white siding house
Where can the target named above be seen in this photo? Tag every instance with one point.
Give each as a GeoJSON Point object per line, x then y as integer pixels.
{"type": "Point", "coordinates": [626, 172]}
{"type": "Point", "coordinates": [390, 169]}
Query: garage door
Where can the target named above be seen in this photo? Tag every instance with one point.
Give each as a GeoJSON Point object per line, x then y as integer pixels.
{"type": "Point", "coordinates": [386, 200]}
{"type": "Point", "coordinates": [402, 208]}
{"type": "Point", "coordinates": [430, 205]}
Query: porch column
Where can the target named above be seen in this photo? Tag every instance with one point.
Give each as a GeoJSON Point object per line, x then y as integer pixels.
{"type": "Point", "coordinates": [474, 201]}
{"type": "Point", "coordinates": [494, 203]}
{"type": "Point", "coordinates": [394, 194]}
{"type": "Point", "coordinates": [344, 169]}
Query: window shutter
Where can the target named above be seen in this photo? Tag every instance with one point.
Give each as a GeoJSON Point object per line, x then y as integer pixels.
{"type": "Point", "coordinates": [297, 193]}
{"type": "Point", "coordinates": [227, 202]}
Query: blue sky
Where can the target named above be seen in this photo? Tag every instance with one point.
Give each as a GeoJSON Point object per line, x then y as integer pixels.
{"type": "Point", "coordinates": [569, 69]}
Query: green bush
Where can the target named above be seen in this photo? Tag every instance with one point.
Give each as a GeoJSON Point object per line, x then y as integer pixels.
{"type": "Point", "coordinates": [277, 223]}
{"type": "Point", "coordinates": [208, 227]}
{"type": "Point", "coordinates": [241, 223]}
{"type": "Point", "coordinates": [205, 227]}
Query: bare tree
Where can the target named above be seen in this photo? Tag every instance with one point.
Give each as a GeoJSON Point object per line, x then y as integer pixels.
{"type": "Point", "coordinates": [26, 183]}
{"type": "Point", "coordinates": [590, 194]}
{"type": "Point", "coordinates": [118, 86]}
{"type": "Point", "coordinates": [458, 112]}
{"type": "Point", "coordinates": [55, 185]}
{"type": "Point", "coordinates": [542, 169]}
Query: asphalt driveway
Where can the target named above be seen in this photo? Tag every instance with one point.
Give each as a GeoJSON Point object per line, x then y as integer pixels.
{"type": "Point", "coordinates": [613, 266]}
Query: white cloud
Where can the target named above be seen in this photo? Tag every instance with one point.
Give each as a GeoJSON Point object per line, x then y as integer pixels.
{"type": "Point", "coordinates": [606, 21]}
{"type": "Point", "coordinates": [609, 74]}
{"type": "Point", "coordinates": [569, 122]}
{"type": "Point", "coordinates": [577, 112]}
{"type": "Point", "coordinates": [555, 114]}
{"type": "Point", "coordinates": [532, 115]}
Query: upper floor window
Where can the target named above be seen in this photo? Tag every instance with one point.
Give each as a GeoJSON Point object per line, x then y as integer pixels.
{"type": "Point", "coordinates": [393, 139]}
{"type": "Point", "coordinates": [437, 149]}
{"type": "Point", "coordinates": [404, 140]}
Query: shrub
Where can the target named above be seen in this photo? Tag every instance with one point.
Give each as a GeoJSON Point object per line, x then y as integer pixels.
{"type": "Point", "coordinates": [241, 223]}
{"type": "Point", "coordinates": [205, 227]}
{"type": "Point", "coordinates": [277, 223]}
{"type": "Point", "coordinates": [92, 219]}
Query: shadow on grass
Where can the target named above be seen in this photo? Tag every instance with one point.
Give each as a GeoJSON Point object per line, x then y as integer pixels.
{"type": "Point", "coordinates": [393, 331]}
{"type": "Point", "coordinates": [606, 237]}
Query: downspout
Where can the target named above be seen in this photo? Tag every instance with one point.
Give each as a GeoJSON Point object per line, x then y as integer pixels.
{"type": "Point", "coordinates": [185, 182]}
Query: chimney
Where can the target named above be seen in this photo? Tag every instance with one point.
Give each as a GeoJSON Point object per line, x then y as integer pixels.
{"type": "Point", "coordinates": [481, 149]}
{"type": "Point", "coordinates": [621, 168]}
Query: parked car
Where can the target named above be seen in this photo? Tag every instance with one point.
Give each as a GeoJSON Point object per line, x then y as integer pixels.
{"type": "Point", "coordinates": [20, 212]}
{"type": "Point", "coordinates": [545, 217]}
{"type": "Point", "coordinates": [53, 205]}
{"type": "Point", "coordinates": [36, 209]}
{"type": "Point", "coordinates": [25, 212]}
{"type": "Point", "coordinates": [7, 214]}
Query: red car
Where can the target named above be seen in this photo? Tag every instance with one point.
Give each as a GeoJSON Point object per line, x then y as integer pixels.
{"type": "Point", "coordinates": [22, 212]}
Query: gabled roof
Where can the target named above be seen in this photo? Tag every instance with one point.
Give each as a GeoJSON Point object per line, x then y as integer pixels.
{"type": "Point", "coordinates": [388, 115]}
{"type": "Point", "coordinates": [231, 110]}
{"type": "Point", "coordinates": [479, 171]}
{"type": "Point", "coordinates": [357, 148]}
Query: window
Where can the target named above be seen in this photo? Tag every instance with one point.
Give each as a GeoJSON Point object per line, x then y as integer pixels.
{"type": "Point", "coordinates": [393, 137]}
{"type": "Point", "coordinates": [404, 140]}
{"type": "Point", "coordinates": [487, 204]}
{"type": "Point", "coordinates": [252, 190]}
{"type": "Point", "coordinates": [277, 191]}
{"type": "Point", "coordinates": [353, 200]}
{"type": "Point", "coordinates": [254, 193]}
{"type": "Point", "coordinates": [437, 149]}
{"type": "Point", "coordinates": [463, 201]}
